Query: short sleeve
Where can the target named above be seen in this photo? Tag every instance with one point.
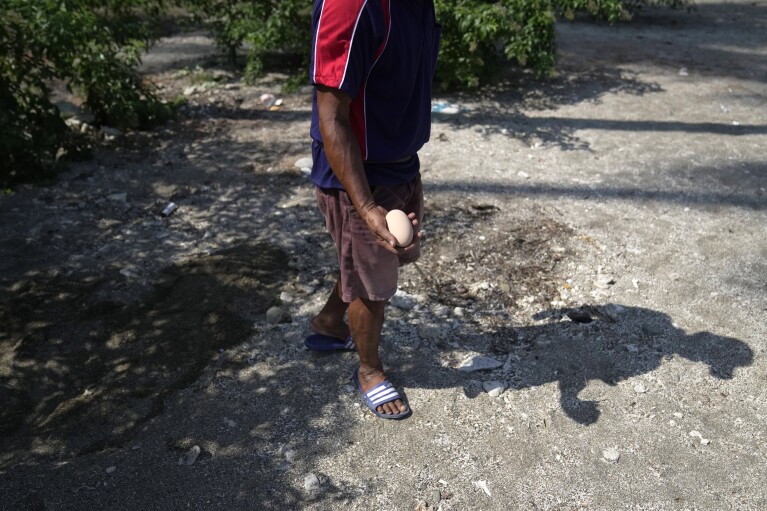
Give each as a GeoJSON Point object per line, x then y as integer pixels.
{"type": "Point", "coordinates": [347, 35]}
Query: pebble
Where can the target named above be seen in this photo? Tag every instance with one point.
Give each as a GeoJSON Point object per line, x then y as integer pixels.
{"type": "Point", "coordinates": [190, 456]}
{"type": "Point", "coordinates": [640, 388]}
{"type": "Point", "coordinates": [311, 482]}
{"type": "Point", "coordinates": [611, 454]}
{"type": "Point", "coordinates": [275, 315]}
{"type": "Point", "coordinates": [479, 363]}
{"type": "Point", "coordinates": [403, 301]}
{"type": "Point", "coordinates": [483, 486]}
{"type": "Point", "coordinates": [286, 297]}
{"type": "Point", "coordinates": [111, 469]}
{"type": "Point", "coordinates": [704, 441]}
{"type": "Point", "coordinates": [267, 99]}
{"type": "Point", "coordinates": [494, 388]}
{"type": "Point", "coordinates": [632, 348]}
{"type": "Point", "coordinates": [303, 163]}
{"type": "Point", "coordinates": [169, 209]}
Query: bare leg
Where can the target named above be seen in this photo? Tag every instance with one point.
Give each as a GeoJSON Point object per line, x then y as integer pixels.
{"type": "Point", "coordinates": [330, 320]}
{"type": "Point", "coordinates": [366, 321]}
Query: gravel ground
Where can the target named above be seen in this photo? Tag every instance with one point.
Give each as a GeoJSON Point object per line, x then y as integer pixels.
{"type": "Point", "coordinates": [585, 330]}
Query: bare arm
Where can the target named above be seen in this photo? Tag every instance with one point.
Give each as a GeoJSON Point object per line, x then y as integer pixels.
{"type": "Point", "coordinates": [345, 159]}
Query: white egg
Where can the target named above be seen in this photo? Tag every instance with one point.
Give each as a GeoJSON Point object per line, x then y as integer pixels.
{"type": "Point", "coordinates": [400, 226]}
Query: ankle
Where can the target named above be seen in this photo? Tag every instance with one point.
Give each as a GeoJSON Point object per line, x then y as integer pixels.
{"type": "Point", "coordinates": [367, 372]}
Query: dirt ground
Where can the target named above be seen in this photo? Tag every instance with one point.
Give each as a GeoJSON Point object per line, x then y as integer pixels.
{"type": "Point", "coordinates": [601, 237]}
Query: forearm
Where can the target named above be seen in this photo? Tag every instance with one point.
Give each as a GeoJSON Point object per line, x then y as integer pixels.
{"type": "Point", "coordinates": [341, 147]}
{"type": "Point", "coordinates": [343, 153]}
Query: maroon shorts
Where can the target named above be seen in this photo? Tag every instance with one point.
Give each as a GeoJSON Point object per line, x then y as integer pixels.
{"type": "Point", "coordinates": [368, 270]}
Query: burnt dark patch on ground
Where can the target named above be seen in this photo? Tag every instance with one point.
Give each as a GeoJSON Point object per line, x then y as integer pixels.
{"type": "Point", "coordinates": [81, 361]}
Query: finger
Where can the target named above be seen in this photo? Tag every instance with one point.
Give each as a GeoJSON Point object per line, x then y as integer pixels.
{"type": "Point", "coordinates": [387, 237]}
{"type": "Point", "coordinates": [388, 246]}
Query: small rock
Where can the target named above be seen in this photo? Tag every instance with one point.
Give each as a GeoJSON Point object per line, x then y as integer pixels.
{"type": "Point", "coordinates": [403, 301]}
{"type": "Point", "coordinates": [523, 174]}
{"type": "Point", "coordinates": [436, 496]}
{"type": "Point", "coordinates": [704, 441]}
{"type": "Point", "coordinates": [169, 209]}
{"type": "Point", "coordinates": [311, 482]}
{"type": "Point", "coordinates": [286, 297]}
{"type": "Point", "coordinates": [483, 486]}
{"type": "Point", "coordinates": [304, 163]}
{"type": "Point", "coordinates": [111, 469]}
{"type": "Point", "coordinates": [640, 388]}
{"type": "Point", "coordinates": [611, 454]}
{"type": "Point", "coordinates": [267, 100]}
{"type": "Point", "coordinates": [632, 348]}
{"type": "Point", "coordinates": [118, 197]}
{"type": "Point", "coordinates": [458, 311]}
{"type": "Point", "coordinates": [479, 363]}
{"type": "Point", "coordinates": [683, 71]}
{"type": "Point", "coordinates": [190, 456]}
{"type": "Point", "coordinates": [494, 388]}
{"type": "Point", "coordinates": [275, 315]}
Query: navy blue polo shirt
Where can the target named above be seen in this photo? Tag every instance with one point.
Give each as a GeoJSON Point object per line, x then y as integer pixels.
{"type": "Point", "coordinates": [383, 53]}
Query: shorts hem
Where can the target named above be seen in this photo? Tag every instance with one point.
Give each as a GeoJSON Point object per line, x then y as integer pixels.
{"type": "Point", "coordinates": [383, 297]}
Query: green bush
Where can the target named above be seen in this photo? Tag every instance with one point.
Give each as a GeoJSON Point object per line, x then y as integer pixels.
{"type": "Point", "coordinates": [478, 36]}
{"type": "Point", "coordinates": [261, 26]}
{"type": "Point", "coordinates": [67, 41]}
{"type": "Point", "coordinates": [482, 36]}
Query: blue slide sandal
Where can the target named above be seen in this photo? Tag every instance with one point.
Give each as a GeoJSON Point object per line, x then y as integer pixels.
{"type": "Point", "coordinates": [321, 342]}
{"type": "Point", "coordinates": [381, 394]}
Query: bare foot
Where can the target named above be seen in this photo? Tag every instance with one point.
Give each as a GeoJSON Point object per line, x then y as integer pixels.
{"type": "Point", "coordinates": [339, 330]}
{"type": "Point", "coordinates": [368, 379]}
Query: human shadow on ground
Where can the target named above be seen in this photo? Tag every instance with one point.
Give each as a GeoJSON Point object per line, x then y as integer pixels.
{"type": "Point", "coordinates": [609, 343]}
